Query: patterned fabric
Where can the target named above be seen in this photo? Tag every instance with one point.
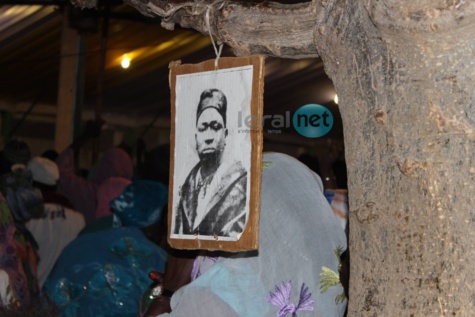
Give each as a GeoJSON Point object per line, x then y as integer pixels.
{"type": "Point", "coordinates": [338, 199]}
{"type": "Point", "coordinates": [298, 236]}
{"type": "Point", "coordinates": [203, 264]}
{"type": "Point", "coordinates": [281, 298]}
{"type": "Point", "coordinates": [104, 273]}
{"type": "Point", "coordinates": [16, 288]}
{"type": "Point", "coordinates": [29, 259]}
{"type": "Point", "coordinates": [141, 203]}
{"type": "Point", "coordinates": [109, 189]}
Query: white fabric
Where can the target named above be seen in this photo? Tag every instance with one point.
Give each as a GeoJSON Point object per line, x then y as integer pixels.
{"type": "Point", "coordinates": [298, 237]}
{"type": "Point", "coordinates": [53, 232]}
{"type": "Point", "coordinates": [44, 171]}
{"type": "Point", "coordinates": [6, 294]}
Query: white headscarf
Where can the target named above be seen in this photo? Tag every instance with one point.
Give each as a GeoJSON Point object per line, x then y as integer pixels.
{"type": "Point", "coordinates": [44, 171]}
{"type": "Point", "coordinates": [295, 268]}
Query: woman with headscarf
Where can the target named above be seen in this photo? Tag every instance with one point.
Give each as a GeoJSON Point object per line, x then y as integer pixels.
{"type": "Point", "coordinates": [23, 202]}
{"type": "Point", "coordinates": [81, 192]}
{"type": "Point", "coordinates": [14, 281]}
{"type": "Point", "coordinates": [293, 273]}
{"type": "Point", "coordinates": [59, 224]}
{"type": "Point", "coordinates": [109, 190]}
{"type": "Point", "coordinates": [104, 272]}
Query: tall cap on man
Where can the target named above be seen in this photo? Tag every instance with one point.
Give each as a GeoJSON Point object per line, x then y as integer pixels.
{"type": "Point", "coordinates": [212, 98]}
{"type": "Point", "coordinates": [44, 171]}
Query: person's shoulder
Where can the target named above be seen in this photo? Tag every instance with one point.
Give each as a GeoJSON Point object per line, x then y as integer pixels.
{"type": "Point", "coordinates": [195, 168]}
{"type": "Point", "coordinates": [236, 167]}
{"type": "Point", "coordinates": [193, 172]}
{"type": "Point", "coordinates": [189, 180]}
{"type": "Point", "coordinates": [237, 175]}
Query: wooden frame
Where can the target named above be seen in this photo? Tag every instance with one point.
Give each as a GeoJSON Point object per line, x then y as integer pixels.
{"type": "Point", "coordinates": [206, 209]}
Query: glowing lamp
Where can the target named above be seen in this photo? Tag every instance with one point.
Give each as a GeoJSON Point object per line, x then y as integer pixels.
{"type": "Point", "coordinates": [125, 63]}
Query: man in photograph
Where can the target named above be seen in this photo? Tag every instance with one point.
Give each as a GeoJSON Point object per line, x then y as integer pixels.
{"type": "Point", "coordinates": [213, 196]}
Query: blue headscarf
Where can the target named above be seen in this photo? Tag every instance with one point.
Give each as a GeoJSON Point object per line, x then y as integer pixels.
{"type": "Point", "coordinates": [141, 203]}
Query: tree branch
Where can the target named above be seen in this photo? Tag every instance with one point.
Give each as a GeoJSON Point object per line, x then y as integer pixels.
{"type": "Point", "coordinates": [268, 28]}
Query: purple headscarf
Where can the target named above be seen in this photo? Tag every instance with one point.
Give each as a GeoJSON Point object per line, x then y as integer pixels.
{"type": "Point", "coordinates": [82, 193]}
{"type": "Point", "coordinates": [109, 189]}
{"type": "Point", "coordinates": [115, 162]}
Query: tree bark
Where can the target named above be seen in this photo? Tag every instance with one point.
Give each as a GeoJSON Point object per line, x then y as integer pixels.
{"type": "Point", "coordinates": [268, 28]}
{"type": "Point", "coordinates": [404, 74]}
{"type": "Point", "coordinates": [407, 104]}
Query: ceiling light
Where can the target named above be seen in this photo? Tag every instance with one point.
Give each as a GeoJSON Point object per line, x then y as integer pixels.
{"type": "Point", "coordinates": [335, 99]}
{"type": "Point", "coordinates": [125, 63]}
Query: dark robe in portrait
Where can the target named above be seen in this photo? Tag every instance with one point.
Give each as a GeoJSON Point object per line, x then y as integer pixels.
{"type": "Point", "coordinates": [216, 205]}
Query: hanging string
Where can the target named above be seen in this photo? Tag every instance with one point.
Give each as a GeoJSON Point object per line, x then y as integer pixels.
{"type": "Point", "coordinates": [216, 50]}
{"type": "Point", "coordinates": [194, 5]}
{"type": "Point", "coordinates": [166, 15]}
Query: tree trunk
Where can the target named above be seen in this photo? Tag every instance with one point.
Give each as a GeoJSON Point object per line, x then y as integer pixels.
{"type": "Point", "coordinates": [407, 104]}
{"type": "Point", "coordinates": [404, 73]}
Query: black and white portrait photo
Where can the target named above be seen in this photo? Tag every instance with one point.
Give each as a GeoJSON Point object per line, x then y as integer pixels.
{"type": "Point", "coordinates": [212, 156]}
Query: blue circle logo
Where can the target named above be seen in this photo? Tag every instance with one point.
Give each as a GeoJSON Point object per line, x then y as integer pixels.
{"type": "Point", "coordinates": [312, 120]}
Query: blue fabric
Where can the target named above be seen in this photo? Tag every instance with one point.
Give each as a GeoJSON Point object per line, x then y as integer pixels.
{"type": "Point", "coordinates": [24, 200]}
{"type": "Point", "coordinates": [221, 279]}
{"type": "Point", "coordinates": [141, 203]}
{"type": "Point", "coordinates": [104, 273]}
{"type": "Point", "coordinates": [329, 194]}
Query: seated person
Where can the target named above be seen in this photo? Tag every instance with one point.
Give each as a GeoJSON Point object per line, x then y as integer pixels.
{"type": "Point", "coordinates": [81, 192]}
{"type": "Point", "coordinates": [59, 224]}
{"type": "Point", "coordinates": [24, 202]}
{"type": "Point", "coordinates": [104, 272]}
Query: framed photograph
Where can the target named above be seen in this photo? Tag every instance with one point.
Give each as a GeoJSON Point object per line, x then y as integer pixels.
{"type": "Point", "coordinates": [216, 154]}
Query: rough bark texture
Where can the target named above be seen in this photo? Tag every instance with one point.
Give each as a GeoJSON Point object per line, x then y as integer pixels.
{"type": "Point", "coordinates": [248, 28]}
{"type": "Point", "coordinates": [404, 74]}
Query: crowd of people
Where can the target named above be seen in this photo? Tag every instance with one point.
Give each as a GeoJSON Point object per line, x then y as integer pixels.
{"type": "Point", "coordinates": [97, 246]}
{"type": "Point", "coordinates": [74, 245]}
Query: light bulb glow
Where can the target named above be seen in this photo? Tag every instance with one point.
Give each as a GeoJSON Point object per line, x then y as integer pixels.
{"type": "Point", "coordinates": [335, 99]}
{"type": "Point", "coordinates": [125, 63]}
